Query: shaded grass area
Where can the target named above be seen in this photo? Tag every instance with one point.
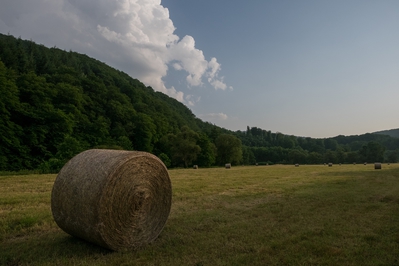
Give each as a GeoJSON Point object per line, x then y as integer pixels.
{"type": "Point", "coordinates": [265, 215]}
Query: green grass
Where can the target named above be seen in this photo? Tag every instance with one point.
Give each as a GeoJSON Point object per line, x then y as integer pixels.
{"type": "Point", "coordinates": [264, 215]}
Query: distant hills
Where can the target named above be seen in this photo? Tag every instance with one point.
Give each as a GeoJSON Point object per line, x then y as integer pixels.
{"type": "Point", "coordinates": [391, 132]}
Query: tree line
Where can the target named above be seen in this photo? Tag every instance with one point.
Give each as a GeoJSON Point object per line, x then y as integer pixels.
{"type": "Point", "coordinates": [267, 147]}
{"type": "Point", "coordinates": [55, 104]}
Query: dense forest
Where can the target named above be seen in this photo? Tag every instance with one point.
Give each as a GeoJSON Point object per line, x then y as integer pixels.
{"type": "Point", "coordinates": [55, 104]}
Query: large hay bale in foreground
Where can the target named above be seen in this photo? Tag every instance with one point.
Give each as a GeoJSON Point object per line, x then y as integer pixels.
{"type": "Point", "coordinates": [377, 166]}
{"type": "Point", "coordinates": [119, 200]}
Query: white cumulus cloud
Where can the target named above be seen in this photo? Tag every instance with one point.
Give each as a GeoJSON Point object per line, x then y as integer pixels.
{"type": "Point", "coordinates": [191, 99]}
{"type": "Point", "coordinates": [135, 36]}
{"type": "Point", "coordinates": [213, 117]}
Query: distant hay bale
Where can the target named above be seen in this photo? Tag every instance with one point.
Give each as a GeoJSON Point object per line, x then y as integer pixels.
{"type": "Point", "coordinates": [354, 163]}
{"type": "Point", "coordinates": [365, 163]}
{"type": "Point", "coordinates": [227, 165]}
{"type": "Point", "coordinates": [330, 164]}
{"type": "Point", "coordinates": [296, 165]}
{"type": "Point", "coordinates": [116, 199]}
{"type": "Point", "coordinates": [377, 166]}
{"type": "Point", "coordinates": [195, 166]}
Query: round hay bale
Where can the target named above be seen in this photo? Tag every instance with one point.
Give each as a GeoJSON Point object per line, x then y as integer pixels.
{"type": "Point", "coordinates": [377, 166]}
{"type": "Point", "coordinates": [227, 165]}
{"type": "Point", "coordinates": [296, 165]}
{"type": "Point", "coordinates": [330, 164]}
{"type": "Point", "coordinates": [116, 199]}
{"type": "Point", "coordinates": [195, 166]}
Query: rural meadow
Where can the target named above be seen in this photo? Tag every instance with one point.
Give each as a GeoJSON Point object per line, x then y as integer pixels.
{"type": "Point", "coordinates": [121, 143]}
{"type": "Point", "coordinates": [344, 214]}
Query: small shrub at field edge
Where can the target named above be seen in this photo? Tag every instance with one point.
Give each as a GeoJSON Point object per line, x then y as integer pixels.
{"type": "Point", "coordinates": [277, 215]}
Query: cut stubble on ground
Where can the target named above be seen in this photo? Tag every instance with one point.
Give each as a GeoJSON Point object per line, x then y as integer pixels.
{"type": "Point", "coordinates": [252, 215]}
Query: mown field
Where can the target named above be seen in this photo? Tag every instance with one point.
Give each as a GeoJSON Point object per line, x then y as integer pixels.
{"type": "Point", "coordinates": [264, 215]}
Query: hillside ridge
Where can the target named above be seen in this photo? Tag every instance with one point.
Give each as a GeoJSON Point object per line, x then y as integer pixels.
{"type": "Point", "coordinates": [390, 132]}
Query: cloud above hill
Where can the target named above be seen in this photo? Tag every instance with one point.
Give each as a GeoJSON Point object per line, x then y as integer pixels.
{"type": "Point", "coordinates": [213, 117]}
{"type": "Point", "coordinates": [135, 36]}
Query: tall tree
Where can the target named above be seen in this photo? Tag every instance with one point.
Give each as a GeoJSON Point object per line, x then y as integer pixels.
{"type": "Point", "coordinates": [372, 152]}
{"type": "Point", "coordinates": [315, 158]}
{"type": "Point", "coordinates": [184, 146]}
{"type": "Point", "coordinates": [10, 132]}
{"type": "Point", "coordinates": [297, 156]}
{"type": "Point", "coordinates": [229, 149]}
{"type": "Point", "coordinates": [143, 133]}
{"type": "Point", "coordinates": [207, 156]}
{"type": "Point", "coordinates": [248, 156]}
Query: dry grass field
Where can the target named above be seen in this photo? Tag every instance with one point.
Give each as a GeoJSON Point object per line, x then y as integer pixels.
{"type": "Point", "coordinates": [247, 215]}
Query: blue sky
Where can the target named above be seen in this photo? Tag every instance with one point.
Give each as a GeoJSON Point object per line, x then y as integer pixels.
{"type": "Point", "coordinates": [304, 68]}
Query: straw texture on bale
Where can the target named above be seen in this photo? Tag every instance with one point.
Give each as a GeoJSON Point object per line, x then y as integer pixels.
{"type": "Point", "coordinates": [116, 199]}
{"type": "Point", "coordinates": [377, 166]}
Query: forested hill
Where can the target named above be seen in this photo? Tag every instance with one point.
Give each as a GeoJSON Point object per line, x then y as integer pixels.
{"type": "Point", "coordinates": [392, 132]}
{"type": "Point", "coordinates": [55, 104]}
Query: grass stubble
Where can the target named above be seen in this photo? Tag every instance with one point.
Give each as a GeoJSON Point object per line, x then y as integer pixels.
{"type": "Point", "coordinates": [247, 215]}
